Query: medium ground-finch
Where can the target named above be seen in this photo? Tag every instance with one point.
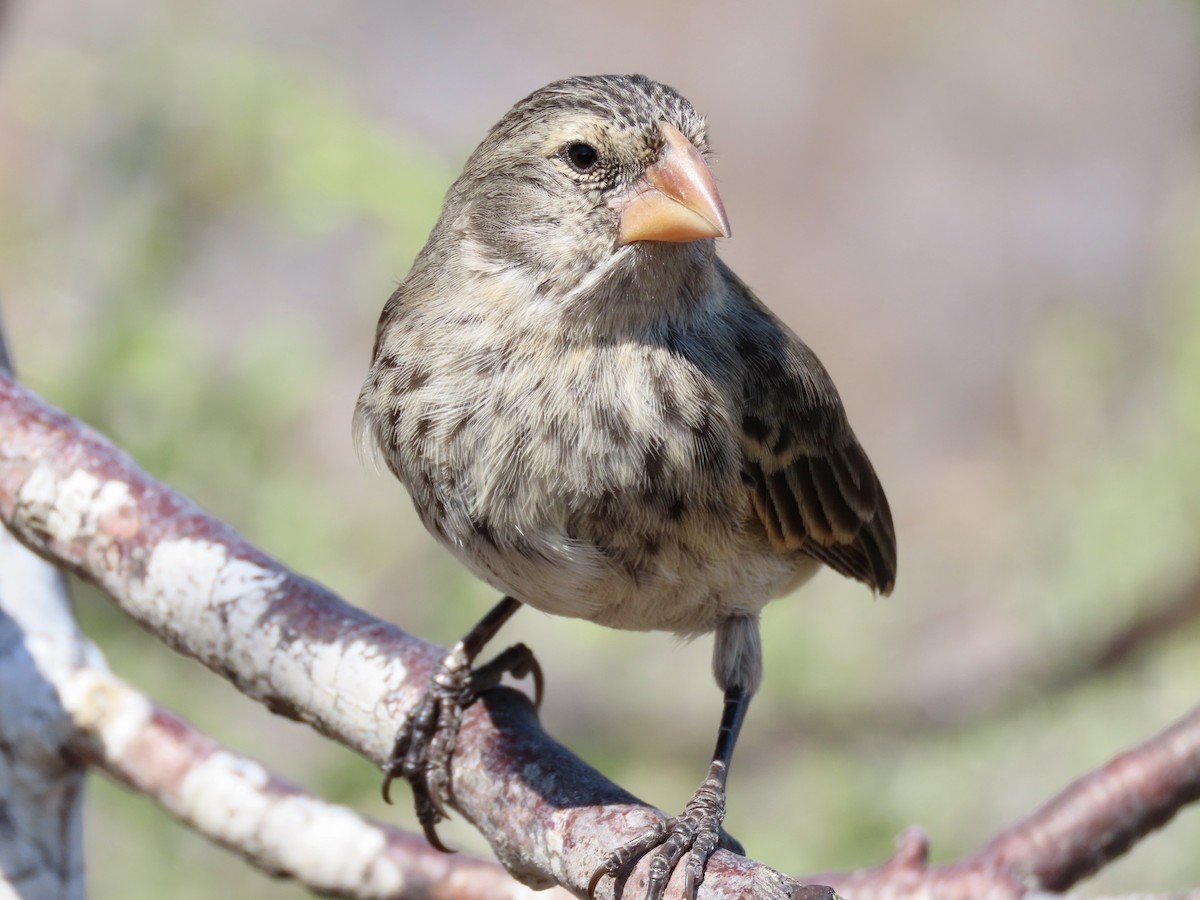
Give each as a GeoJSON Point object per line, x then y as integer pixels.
{"type": "Point", "coordinates": [598, 417]}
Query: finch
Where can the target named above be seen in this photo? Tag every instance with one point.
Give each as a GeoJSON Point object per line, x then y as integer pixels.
{"type": "Point", "coordinates": [596, 416]}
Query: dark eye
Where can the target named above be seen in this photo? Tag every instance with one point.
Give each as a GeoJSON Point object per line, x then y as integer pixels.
{"type": "Point", "coordinates": [581, 156]}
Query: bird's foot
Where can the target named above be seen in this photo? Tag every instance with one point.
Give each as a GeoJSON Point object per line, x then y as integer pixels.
{"type": "Point", "coordinates": [697, 829]}
{"type": "Point", "coordinates": [425, 742]}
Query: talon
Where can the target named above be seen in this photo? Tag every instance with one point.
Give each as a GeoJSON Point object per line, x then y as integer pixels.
{"type": "Point", "coordinates": [696, 832]}
{"type": "Point", "coordinates": [424, 745]}
{"type": "Point", "coordinates": [597, 877]}
{"type": "Point", "coordinates": [539, 683]}
{"type": "Point", "coordinates": [431, 835]}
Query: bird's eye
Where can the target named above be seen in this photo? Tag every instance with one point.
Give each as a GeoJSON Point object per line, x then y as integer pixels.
{"type": "Point", "coordinates": [581, 156]}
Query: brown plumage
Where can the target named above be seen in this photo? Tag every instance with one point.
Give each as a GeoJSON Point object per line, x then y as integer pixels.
{"type": "Point", "coordinates": [599, 418]}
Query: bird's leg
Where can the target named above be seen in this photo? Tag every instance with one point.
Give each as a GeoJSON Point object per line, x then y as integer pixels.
{"type": "Point", "coordinates": [425, 742]}
{"type": "Point", "coordinates": [737, 665]}
{"type": "Point", "coordinates": [697, 828]}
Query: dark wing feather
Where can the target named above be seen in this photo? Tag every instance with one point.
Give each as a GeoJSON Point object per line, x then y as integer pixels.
{"type": "Point", "coordinates": [811, 484]}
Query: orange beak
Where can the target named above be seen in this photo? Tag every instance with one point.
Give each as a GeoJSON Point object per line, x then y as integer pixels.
{"type": "Point", "coordinates": [676, 199]}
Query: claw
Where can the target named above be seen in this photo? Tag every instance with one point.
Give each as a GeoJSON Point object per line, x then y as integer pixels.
{"type": "Point", "coordinates": [539, 683]}
{"type": "Point", "coordinates": [431, 835]}
{"type": "Point", "coordinates": [424, 745]}
{"type": "Point", "coordinates": [601, 871]}
{"type": "Point", "coordinates": [696, 832]}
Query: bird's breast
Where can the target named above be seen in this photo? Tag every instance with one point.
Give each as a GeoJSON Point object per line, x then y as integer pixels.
{"type": "Point", "coordinates": [597, 481]}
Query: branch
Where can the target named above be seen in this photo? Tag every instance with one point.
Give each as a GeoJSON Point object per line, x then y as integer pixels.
{"type": "Point", "coordinates": [41, 786]}
{"type": "Point", "coordinates": [299, 649]}
{"type": "Point", "coordinates": [1103, 814]}
{"type": "Point", "coordinates": [1087, 825]}
{"type": "Point", "coordinates": [306, 654]}
{"type": "Point", "coordinates": [73, 706]}
{"type": "Point", "coordinates": [74, 710]}
{"type": "Point", "coordinates": [271, 823]}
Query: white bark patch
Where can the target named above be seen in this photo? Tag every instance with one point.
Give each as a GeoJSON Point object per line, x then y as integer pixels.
{"type": "Point", "coordinates": [188, 579]}
{"type": "Point", "coordinates": [352, 674]}
{"type": "Point", "coordinates": [70, 507]}
{"type": "Point", "coordinates": [324, 845]}
{"type": "Point", "coordinates": [352, 682]}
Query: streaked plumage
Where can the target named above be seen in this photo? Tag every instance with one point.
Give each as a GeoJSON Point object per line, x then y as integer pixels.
{"type": "Point", "coordinates": [594, 413]}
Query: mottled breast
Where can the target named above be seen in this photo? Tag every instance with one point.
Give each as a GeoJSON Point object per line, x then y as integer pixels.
{"type": "Point", "coordinates": [600, 479]}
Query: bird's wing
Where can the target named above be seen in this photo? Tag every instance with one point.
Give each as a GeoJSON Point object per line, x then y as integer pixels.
{"type": "Point", "coordinates": [812, 486]}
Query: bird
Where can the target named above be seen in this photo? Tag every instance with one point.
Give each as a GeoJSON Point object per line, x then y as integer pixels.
{"type": "Point", "coordinates": [598, 418]}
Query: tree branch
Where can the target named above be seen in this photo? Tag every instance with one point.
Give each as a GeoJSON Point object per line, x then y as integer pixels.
{"type": "Point", "coordinates": [1087, 825]}
{"type": "Point", "coordinates": [1103, 814]}
{"type": "Point", "coordinates": [294, 646]}
{"type": "Point", "coordinates": [277, 827]}
{"type": "Point", "coordinates": [41, 786]}
{"type": "Point", "coordinates": [73, 709]}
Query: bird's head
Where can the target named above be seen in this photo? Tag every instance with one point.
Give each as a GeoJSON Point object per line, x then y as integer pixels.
{"type": "Point", "coordinates": [594, 177]}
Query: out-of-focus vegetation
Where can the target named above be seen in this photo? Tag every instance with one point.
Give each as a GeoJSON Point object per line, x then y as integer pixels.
{"type": "Point", "coordinates": [199, 230]}
{"type": "Point", "coordinates": [180, 141]}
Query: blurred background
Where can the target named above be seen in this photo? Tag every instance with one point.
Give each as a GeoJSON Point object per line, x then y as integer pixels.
{"type": "Point", "coordinates": [984, 216]}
